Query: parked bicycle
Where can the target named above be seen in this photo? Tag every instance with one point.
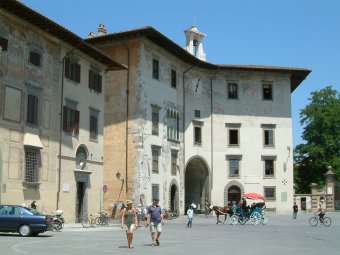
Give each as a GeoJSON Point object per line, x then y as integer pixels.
{"type": "Point", "coordinates": [88, 221]}
{"type": "Point", "coordinates": [103, 219]}
{"type": "Point", "coordinates": [315, 220]}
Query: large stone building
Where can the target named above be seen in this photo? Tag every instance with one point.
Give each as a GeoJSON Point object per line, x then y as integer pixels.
{"type": "Point", "coordinates": [51, 114]}
{"type": "Point", "coordinates": [173, 126]}
{"type": "Point", "coordinates": [186, 130]}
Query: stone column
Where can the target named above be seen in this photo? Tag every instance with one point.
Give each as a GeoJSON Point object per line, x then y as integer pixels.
{"type": "Point", "coordinates": [330, 189]}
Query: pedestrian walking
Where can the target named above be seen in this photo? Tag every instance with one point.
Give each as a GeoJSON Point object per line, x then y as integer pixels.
{"type": "Point", "coordinates": [295, 210]}
{"type": "Point", "coordinates": [129, 221]}
{"type": "Point", "coordinates": [190, 214]}
{"type": "Point", "coordinates": [155, 221]}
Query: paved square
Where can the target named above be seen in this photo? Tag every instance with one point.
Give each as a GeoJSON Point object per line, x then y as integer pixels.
{"type": "Point", "coordinates": [282, 235]}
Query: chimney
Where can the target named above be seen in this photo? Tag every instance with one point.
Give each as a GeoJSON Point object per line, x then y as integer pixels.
{"type": "Point", "coordinates": [101, 30]}
{"type": "Point", "coordinates": [91, 35]}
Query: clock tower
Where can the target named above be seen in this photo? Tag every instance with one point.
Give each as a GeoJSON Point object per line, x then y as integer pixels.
{"type": "Point", "coordinates": [194, 44]}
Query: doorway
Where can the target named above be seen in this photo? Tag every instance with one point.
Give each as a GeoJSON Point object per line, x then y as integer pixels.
{"type": "Point", "coordinates": [197, 188]}
{"type": "Point", "coordinates": [80, 201]}
{"type": "Point", "coordinates": [173, 198]}
{"type": "Point", "coordinates": [234, 195]}
{"type": "Point", "coordinates": [303, 204]}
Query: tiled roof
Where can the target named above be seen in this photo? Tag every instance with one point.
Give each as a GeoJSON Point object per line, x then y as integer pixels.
{"type": "Point", "coordinates": [20, 10]}
{"type": "Point", "coordinates": [297, 74]}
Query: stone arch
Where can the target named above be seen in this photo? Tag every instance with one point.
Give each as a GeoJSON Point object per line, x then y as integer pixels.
{"type": "Point", "coordinates": [173, 196]}
{"type": "Point", "coordinates": [197, 182]}
{"type": "Point", "coordinates": [230, 185]}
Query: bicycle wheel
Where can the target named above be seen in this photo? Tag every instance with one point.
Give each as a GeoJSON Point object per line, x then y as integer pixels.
{"type": "Point", "coordinates": [233, 220]}
{"type": "Point", "coordinates": [98, 221]}
{"type": "Point", "coordinates": [85, 221]}
{"type": "Point", "coordinates": [327, 221]}
{"type": "Point", "coordinates": [313, 221]}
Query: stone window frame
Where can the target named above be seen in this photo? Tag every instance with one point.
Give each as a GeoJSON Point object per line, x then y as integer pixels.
{"type": "Point", "coordinates": [234, 127]}
{"type": "Point", "coordinates": [174, 162]}
{"type": "Point", "coordinates": [273, 198]}
{"type": "Point", "coordinates": [266, 158]}
{"type": "Point", "coordinates": [268, 128]}
{"type": "Point", "coordinates": [234, 157]}
{"type": "Point", "coordinates": [267, 88]}
{"type": "Point", "coordinates": [34, 52]}
{"type": "Point", "coordinates": [230, 93]}
{"type": "Point", "coordinates": [155, 158]}
{"type": "Point", "coordinates": [93, 124]}
{"type": "Point", "coordinates": [155, 67]}
{"type": "Point", "coordinates": [155, 109]}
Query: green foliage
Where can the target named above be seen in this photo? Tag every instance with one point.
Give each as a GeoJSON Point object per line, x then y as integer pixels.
{"type": "Point", "coordinates": [321, 121]}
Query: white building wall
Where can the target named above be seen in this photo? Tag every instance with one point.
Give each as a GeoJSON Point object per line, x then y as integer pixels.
{"type": "Point", "coordinates": [92, 174]}
{"type": "Point", "coordinates": [249, 110]}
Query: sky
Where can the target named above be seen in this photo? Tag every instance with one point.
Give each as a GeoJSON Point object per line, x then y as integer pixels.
{"type": "Point", "coordinates": [293, 33]}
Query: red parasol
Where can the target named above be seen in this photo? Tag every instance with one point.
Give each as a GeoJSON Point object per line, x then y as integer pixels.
{"type": "Point", "coordinates": [253, 195]}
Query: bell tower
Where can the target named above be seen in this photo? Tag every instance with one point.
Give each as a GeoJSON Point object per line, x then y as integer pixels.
{"type": "Point", "coordinates": [194, 44]}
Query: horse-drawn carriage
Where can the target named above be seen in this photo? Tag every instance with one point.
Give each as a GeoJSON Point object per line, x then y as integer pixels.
{"type": "Point", "coordinates": [255, 214]}
{"type": "Point", "coordinates": [242, 213]}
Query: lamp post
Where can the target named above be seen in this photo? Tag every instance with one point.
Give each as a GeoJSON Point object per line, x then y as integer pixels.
{"type": "Point", "coordinates": [118, 175]}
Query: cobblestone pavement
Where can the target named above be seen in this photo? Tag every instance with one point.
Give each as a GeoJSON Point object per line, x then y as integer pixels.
{"type": "Point", "coordinates": [282, 235]}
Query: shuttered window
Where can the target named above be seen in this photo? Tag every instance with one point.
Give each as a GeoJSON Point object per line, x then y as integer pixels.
{"type": "Point", "coordinates": [70, 120]}
{"type": "Point", "coordinates": [95, 81]}
{"type": "Point", "coordinates": [72, 70]}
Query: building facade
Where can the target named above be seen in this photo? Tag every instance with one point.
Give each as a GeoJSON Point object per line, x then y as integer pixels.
{"type": "Point", "coordinates": [187, 131]}
{"type": "Point", "coordinates": [51, 114]}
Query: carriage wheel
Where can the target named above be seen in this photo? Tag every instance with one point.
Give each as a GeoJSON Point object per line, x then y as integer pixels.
{"type": "Point", "coordinates": [242, 220]}
{"type": "Point", "coordinates": [264, 219]}
{"type": "Point", "coordinates": [255, 218]}
{"type": "Point", "coordinates": [234, 219]}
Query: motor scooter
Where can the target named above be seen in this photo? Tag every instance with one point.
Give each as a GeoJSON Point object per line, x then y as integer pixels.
{"type": "Point", "coordinates": [58, 220]}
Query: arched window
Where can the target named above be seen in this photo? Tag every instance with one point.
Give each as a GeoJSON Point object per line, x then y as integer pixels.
{"type": "Point", "coordinates": [81, 157]}
{"type": "Point", "coordinates": [172, 124]}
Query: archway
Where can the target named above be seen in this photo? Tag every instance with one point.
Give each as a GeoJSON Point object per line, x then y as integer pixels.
{"type": "Point", "coordinates": [196, 183]}
{"type": "Point", "coordinates": [233, 191]}
{"type": "Point", "coordinates": [173, 197]}
{"type": "Point", "coordinates": [234, 195]}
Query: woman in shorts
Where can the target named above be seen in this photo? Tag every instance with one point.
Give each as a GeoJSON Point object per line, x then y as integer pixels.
{"type": "Point", "coordinates": [129, 221]}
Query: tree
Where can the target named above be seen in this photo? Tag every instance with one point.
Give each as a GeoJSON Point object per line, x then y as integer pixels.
{"type": "Point", "coordinates": [321, 121]}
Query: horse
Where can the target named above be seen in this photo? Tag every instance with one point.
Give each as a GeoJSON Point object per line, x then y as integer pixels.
{"type": "Point", "coordinates": [220, 211]}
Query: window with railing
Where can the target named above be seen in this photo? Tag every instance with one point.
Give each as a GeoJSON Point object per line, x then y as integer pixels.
{"type": "Point", "coordinates": [32, 165]}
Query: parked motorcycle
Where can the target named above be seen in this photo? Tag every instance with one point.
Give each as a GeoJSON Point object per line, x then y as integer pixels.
{"type": "Point", "coordinates": [58, 220]}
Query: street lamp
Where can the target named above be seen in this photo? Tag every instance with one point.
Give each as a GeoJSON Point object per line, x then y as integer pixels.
{"type": "Point", "coordinates": [118, 175]}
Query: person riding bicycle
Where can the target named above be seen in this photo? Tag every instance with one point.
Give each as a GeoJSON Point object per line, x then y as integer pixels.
{"type": "Point", "coordinates": [321, 212]}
